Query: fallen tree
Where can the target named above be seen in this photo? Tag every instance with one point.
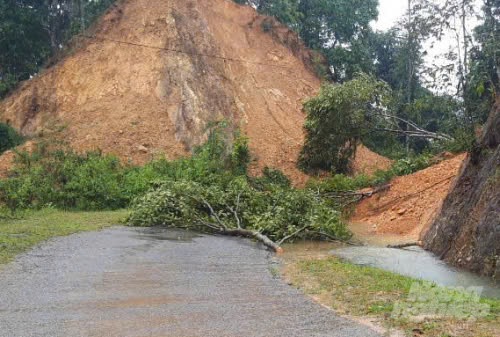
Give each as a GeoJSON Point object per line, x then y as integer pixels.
{"type": "Point", "coordinates": [271, 217]}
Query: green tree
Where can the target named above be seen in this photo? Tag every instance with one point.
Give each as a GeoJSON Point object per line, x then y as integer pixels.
{"type": "Point", "coordinates": [24, 44]}
{"type": "Point", "coordinates": [336, 121]}
{"type": "Point", "coordinates": [32, 31]}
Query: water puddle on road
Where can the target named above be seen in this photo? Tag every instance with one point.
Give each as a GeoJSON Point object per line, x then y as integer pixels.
{"type": "Point", "coordinates": [418, 263]}
{"type": "Point", "coordinates": [166, 234]}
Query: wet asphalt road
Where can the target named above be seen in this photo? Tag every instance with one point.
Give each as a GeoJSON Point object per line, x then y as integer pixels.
{"type": "Point", "coordinates": [128, 282]}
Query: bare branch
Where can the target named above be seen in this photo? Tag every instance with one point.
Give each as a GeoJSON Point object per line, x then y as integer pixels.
{"type": "Point", "coordinates": [297, 232]}
{"type": "Point", "coordinates": [214, 214]}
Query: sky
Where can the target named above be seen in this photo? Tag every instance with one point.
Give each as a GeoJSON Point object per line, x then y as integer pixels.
{"type": "Point", "coordinates": [389, 12]}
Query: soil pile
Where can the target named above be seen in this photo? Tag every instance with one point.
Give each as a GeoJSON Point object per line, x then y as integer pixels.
{"type": "Point", "coordinates": [179, 65]}
{"type": "Point", "coordinates": [410, 203]}
{"type": "Point", "coordinates": [367, 161]}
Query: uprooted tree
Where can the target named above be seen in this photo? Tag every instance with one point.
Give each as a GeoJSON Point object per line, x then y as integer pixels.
{"type": "Point", "coordinates": [341, 115]}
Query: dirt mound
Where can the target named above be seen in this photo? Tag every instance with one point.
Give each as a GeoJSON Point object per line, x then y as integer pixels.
{"type": "Point", "coordinates": [409, 204]}
{"type": "Point", "coordinates": [154, 73]}
{"type": "Point", "coordinates": [367, 161]}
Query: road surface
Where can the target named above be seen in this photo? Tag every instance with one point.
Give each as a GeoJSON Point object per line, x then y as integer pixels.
{"type": "Point", "coordinates": [129, 282]}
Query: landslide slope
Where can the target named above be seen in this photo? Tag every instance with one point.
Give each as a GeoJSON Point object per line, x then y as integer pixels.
{"type": "Point", "coordinates": [178, 65]}
{"type": "Point", "coordinates": [466, 232]}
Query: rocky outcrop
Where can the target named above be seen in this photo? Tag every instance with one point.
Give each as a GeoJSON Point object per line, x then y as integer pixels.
{"type": "Point", "coordinates": [466, 232]}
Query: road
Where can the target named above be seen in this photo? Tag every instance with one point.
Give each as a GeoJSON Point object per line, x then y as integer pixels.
{"type": "Point", "coordinates": [129, 282]}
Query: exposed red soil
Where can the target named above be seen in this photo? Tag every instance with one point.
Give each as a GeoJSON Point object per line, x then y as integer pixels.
{"type": "Point", "coordinates": [409, 205]}
{"type": "Point", "coordinates": [367, 161]}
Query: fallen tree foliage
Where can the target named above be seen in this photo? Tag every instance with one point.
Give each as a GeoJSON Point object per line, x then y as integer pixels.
{"type": "Point", "coordinates": [272, 217]}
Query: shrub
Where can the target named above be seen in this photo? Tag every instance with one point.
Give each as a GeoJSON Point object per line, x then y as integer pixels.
{"type": "Point", "coordinates": [343, 183]}
{"type": "Point", "coordinates": [94, 181]}
{"type": "Point", "coordinates": [9, 138]}
{"type": "Point", "coordinates": [65, 179]}
{"type": "Point", "coordinates": [270, 177]}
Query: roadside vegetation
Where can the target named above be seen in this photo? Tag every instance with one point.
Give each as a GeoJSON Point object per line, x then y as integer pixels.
{"type": "Point", "coordinates": [362, 291]}
{"type": "Point", "coordinates": [30, 227]}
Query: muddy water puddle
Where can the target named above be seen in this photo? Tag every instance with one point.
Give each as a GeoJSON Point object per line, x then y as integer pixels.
{"type": "Point", "coordinates": [414, 262]}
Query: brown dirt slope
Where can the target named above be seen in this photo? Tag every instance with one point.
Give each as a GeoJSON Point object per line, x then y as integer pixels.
{"type": "Point", "coordinates": [135, 101]}
{"type": "Point", "coordinates": [409, 205]}
{"type": "Point", "coordinates": [367, 161]}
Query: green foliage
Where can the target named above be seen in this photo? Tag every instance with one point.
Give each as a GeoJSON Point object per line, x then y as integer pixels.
{"type": "Point", "coordinates": [94, 181]}
{"type": "Point", "coordinates": [337, 28]}
{"type": "Point", "coordinates": [24, 43]}
{"type": "Point", "coordinates": [67, 180]}
{"type": "Point", "coordinates": [275, 213]}
{"type": "Point", "coordinates": [9, 137]}
{"type": "Point", "coordinates": [32, 32]}
{"type": "Point", "coordinates": [270, 178]}
{"type": "Point", "coordinates": [240, 155]}
{"type": "Point", "coordinates": [410, 165]}
{"type": "Point", "coordinates": [336, 120]}
{"type": "Point", "coordinates": [464, 140]}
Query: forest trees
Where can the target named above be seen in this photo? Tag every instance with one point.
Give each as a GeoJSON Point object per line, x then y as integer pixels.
{"type": "Point", "coordinates": [32, 31]}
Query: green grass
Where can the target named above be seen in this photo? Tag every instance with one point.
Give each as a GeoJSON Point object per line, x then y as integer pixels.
{"type": "Point", "coordinates": [367, 291]}
{"type": "Point", "coordinates": [19, 235]}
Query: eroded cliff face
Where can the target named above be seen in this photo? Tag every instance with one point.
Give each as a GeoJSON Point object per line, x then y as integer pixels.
{"type": "Point", "coordinates": [467, 230]}
{"type": "Point", "coordinates": [180, 65]}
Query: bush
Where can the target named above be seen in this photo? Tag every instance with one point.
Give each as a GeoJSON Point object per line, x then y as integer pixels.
{"type": "Point", "coordinates": [275, 213]}
{"type": "Point", "coordinates": [9, 138]}
{"type": "Point", "coordinates": [336, 120]}
{"type": "Point", "coordinates": [270, 177]}
{"type": "Point", "coordinates": [63, 178]}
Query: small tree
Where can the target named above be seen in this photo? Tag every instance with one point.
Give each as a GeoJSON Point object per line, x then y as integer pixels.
{"type": "Point", "coordinates": [336, 120]}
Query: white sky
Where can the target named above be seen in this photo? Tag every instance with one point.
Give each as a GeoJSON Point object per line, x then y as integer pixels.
{"type": "Point", "coordinates": [389, 12]}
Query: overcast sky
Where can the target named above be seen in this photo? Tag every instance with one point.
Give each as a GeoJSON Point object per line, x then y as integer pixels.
{"type": "Point", "coordinates": [389, 12]}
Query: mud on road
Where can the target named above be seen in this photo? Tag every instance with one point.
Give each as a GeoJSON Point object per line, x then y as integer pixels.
{"type": "Point", "coordinates": [128, 282]}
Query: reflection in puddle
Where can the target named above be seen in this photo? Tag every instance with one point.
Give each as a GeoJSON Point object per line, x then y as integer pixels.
{"type": "Point", "coordinates": [418, 263]}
